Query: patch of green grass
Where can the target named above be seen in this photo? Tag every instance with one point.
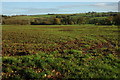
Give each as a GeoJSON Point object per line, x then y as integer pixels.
{"type": "Point", "coordinates": [72, 64]}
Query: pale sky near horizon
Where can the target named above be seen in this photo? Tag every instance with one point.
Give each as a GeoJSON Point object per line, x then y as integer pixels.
{"type": "Point", "coordinates": [34, 8]}
{"type": "Point", "coordinates": [60, 0]}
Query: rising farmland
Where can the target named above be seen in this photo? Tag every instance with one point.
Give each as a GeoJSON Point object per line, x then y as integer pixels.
{"type": "Point", "coordinates": [60, 51]}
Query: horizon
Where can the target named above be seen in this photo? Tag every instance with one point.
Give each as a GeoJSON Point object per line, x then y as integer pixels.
{"type": "Point", "coordinates": [43, 8]}
{"type": "Point", "coordinates": [56, 14]}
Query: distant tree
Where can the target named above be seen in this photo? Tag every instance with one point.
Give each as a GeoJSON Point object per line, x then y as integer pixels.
{"type": "Point", "coordinates": [100, 21]}
{"type": "Point", "coordinates": [57, 21]}
{"type": "Point", "coordinates": [46, 23]}
{"type": "Point", "coordinates": [71, 23]}
{"type": "Point", "coordinates": [81, 20]}
{"type": "Point", "coordinates": [15, 22]}
{"type": "Point", "coordinates": [58, 16]}
{"type": "Point", "coordinates": [116, 19]}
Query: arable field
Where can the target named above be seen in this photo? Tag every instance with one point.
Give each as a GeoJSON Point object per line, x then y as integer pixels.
{"type": "Point", "coordinates": [60, 52]}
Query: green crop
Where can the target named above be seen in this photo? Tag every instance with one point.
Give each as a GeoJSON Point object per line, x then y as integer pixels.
{"type": "Point", "coordinates": [60, 52]}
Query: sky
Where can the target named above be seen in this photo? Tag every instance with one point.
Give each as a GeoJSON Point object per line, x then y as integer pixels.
{"type": "Point", "coordinates": [36, 8]}
{"type": "Point", "coordinates": [60, 0]}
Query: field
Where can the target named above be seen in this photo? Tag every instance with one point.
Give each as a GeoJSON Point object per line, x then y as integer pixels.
{"type": "Point", "coordinates": [60, 52]}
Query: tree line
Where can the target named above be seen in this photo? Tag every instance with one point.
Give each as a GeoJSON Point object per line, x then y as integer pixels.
{"type": "Point", "coordinates": [88, 18]}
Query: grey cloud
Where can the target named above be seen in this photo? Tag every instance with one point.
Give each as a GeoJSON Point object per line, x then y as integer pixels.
{"type": "Point", "coordinates": [101, 5]}
{"type": "Point", "coordinates": [110, 6]}
{"type": "Point", "coordinates": [70, 6]}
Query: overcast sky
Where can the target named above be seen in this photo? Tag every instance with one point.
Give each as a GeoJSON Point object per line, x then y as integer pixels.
{"type": "Point", "coordinates": [60, 0]}
{"type": "Point", "coordinates": [35, 8]}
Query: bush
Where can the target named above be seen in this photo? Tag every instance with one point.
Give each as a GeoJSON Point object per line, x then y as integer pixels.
{"type": "Point", "coordinates": [100, 21]}
{"type": "Point", "coordinates": [116, 19]}
{"type": "Point", "coordinates": [15, 22]}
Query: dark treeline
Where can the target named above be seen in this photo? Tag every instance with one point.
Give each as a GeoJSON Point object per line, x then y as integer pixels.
{"type": "Point", "coordinates": [111, 18]}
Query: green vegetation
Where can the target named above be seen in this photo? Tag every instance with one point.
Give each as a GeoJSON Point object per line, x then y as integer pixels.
{"type": "Point", "coordinates": [60, 52]}
{"type": "Point", "coordinates": [109, 18]}
{"type": "Point", "coordinates": [71, 64]}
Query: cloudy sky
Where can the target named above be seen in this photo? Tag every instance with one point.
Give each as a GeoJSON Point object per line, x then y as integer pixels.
{"type": "Point", "coordinates": [34, 8]}
{"type": "Point", "coordinates": [60, 0]}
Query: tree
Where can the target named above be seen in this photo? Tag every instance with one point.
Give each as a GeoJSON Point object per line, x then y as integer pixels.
{"type": "Point", "coordinates": [57, 21]}
{"type": "Point", "coordinates": [116, 19]}
{"type": "Point", "coordinates": [81, 20]}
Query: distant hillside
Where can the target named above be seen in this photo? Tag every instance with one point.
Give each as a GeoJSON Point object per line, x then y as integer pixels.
{"type": "Point", "coordinates": [62, 19]}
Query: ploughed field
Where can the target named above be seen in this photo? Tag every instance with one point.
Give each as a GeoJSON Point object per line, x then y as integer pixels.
{"type": "Point", "coordinates": [60, 52]}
